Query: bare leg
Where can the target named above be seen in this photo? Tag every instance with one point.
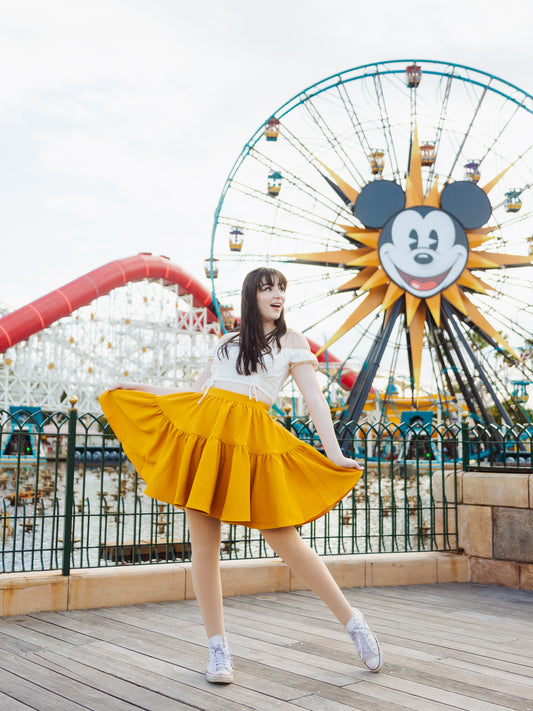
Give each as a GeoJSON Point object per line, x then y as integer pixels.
{"type": "Point", "coordinates": [288, 544]}
{"type": "Point", "coordinates": [205, 544]}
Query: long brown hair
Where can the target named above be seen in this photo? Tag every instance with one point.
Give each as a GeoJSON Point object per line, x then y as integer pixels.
{"type": "Point", "coordinates": [254, 344]}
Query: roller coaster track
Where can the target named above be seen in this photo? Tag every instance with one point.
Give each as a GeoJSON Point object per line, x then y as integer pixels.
{"type": "Point", "coordinates": [19, 325]}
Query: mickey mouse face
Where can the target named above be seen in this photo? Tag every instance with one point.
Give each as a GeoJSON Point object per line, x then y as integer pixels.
{"type": "Point", "coordinates": [423, 249]}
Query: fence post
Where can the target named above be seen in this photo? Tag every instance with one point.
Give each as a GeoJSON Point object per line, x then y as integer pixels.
{"type": "Point", "coordinates": [69, 485]}
{"type": "Point", "coordinates": [465, 437]}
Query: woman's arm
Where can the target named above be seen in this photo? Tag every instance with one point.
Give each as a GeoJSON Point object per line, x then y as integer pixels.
{"type": "Point", "coordinates": [148, 388]}
{"type": "Point", "coordinates": [305, 378]}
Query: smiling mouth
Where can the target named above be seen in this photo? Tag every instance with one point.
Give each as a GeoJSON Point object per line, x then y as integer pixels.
{"type": "Point", "coordinates": [421, 284]}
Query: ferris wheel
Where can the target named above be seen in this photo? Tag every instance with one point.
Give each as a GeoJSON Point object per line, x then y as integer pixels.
{"type": "Point", "coordinates": [397, 199]}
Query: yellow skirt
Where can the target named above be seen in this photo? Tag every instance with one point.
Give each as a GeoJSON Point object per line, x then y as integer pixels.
{"type": "Point", "coordinates": [224, 456]}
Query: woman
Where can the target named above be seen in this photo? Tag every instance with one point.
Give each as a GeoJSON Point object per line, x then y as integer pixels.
{"type": "Point", "coordinates": [221, 457]}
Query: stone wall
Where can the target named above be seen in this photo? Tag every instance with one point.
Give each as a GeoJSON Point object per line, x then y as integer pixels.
{"type": "Point", "coordinates": [24, 593]}
{"type": "Point", "coordinates": [495, 525]}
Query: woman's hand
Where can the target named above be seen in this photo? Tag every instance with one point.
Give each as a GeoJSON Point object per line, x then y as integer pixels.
{"type": "Point", "coordinates": [346, 462]}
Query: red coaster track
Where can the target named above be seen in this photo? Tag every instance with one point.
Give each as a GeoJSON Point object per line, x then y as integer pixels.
{"type": "Point", "coordinates": [43, 312]}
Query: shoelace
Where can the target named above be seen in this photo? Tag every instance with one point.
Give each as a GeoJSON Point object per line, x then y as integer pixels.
{"type": "Point", "coordinates": [364, 641]}
{"type": "Point", "coordinates": [220, 658]}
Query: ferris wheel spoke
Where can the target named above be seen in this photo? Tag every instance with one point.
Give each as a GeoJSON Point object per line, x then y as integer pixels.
{"type": "Point", "coordinates": [326, 317]}
{"type": "Point", "coordinates": [385, 123]}
{"type": "Point", "coordinates": [509, 396]}
{"type": "Point", "coordinates": [492, 368]}
{"type": "Point", "coordinates": [355, 123]}
{"type": "Point", "coordinates": [306, 238]}
{"type": "Point", "coordinates": [507, 327]}
{"type": "Point", "coordinates": [495, 383]}
{"type": "Point", "coordinates": [311, 191]}
{"type": "Point", "coordinates": [312, 160]}
{"type": "Point", "coordinates": [317, 298]}
{"type": "Point", "coordinates": [506, 125]}
{"type": "Point", "coordinates": [459, 151]}
{"type": "Point", "coordinates": [461, 348]}
{"type": "Point", "coordinates": [303, 213]}
{"type": "Point", "coordinates": [332, 140]}
{"type": "Point", "coordinates": [440, 125]}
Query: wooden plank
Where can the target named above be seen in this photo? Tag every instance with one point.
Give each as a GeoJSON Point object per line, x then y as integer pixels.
{"type": "Point", "coordinates": [382, 699]}
{"type": "Point", "coordinates": [267, 653]}
{"type": "Point", "coordinates": [8, 703]}
{"type": "Point", "coordinates": [375, 702]}
{"type": "Point", "coordinates": [48, 632]}
{"type": "Point", "coordinates": [20, 634]}
{"type": "Point", "coordinates": [33, 695]}
{"type": "Point", "coordinates": [427, 692]}
{"type": "Point", "coordinates": [490, 668]}
{"type": "Point", "coordinates": [136, 688]}
{"type": "Point", "coordinates": [178, 683]}
{"type": "Point", "coordinates": [69, 690]}
{"type": "Point", "coordinates": [448, 676]}
{"type": "Point", "coordinates": [480, 686]}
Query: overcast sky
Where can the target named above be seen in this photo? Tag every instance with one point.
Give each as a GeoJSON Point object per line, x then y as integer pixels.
{"type": "Point", "coordinates": [120, 119]}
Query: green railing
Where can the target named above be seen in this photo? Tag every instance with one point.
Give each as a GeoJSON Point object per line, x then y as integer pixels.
{"type": "Point", "coordinates": [71, 499]}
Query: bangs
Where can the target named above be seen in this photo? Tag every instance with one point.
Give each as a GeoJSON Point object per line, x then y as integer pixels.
{"type": "Point", "coordinates": [270, 277]}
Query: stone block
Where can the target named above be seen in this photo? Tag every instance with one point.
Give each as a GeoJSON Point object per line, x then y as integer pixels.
{"type": "Point", "coordinates": [526, 576]}
{"type": "Point", "coordinates": [475, 530]}
{"type": "Point", "coordinates": [448, 486]}
{"type": "Point", "coordinates": [248, 577]}
{"type": "Point", "coordinates": [496, 489]}
{"type": "Point", "coordinates": [131, 585]}
{"type": "Point", "coordinates": [24, 593]}
{"type": "Point", "coordinates": [401, 569]}
{"type": "Point", "coordinates": [445, 536]}
{"type": "Point", "coordinates": [347, 570]}
{"type": "Point", "coordinates": [513, 534]}
{"type": "Point", "coordinates": [495, 572]}
{"type": "Point", "coordinates": [453, 568]}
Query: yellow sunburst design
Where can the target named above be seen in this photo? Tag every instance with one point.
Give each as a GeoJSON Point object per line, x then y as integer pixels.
{"type": "Point", "coordinates": [381, 292]}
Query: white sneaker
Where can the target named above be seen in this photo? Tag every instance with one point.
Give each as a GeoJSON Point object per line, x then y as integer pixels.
{"type": "Point", "coordinates": [219, 668]}
{"type": "Point", "coordinates": [365, 641]}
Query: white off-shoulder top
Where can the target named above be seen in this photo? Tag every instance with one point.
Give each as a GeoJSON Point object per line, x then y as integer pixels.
{"type": "Point", "coordinates": [269, 380]}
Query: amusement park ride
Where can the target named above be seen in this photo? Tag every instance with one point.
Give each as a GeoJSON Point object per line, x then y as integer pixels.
{"type": "Point", "coordinates": [412, 256]}
{"type": "Point", "coordinates": [141, 317]}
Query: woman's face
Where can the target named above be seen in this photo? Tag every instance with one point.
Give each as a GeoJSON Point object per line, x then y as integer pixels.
{"type": "Point", "coordinates": [270, 301]}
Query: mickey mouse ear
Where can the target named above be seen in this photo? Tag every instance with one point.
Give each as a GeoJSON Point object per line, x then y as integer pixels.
{"type": "Point", "coordinates": [378, 201]}
{"type": "Point", "coordinates": [467, 202]}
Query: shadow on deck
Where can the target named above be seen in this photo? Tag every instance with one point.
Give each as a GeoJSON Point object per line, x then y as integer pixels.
{"type": "Point", "coordinates": [455, 646]}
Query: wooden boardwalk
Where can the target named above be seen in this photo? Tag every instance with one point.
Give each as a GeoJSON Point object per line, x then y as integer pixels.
{"type": "Point", "coordinates": [446, 647]}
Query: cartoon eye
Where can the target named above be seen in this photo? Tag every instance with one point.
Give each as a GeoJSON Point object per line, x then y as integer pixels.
{"type": "Point", "coordinates": [434, 240]}
{"type": "Point", "coordinates": [413, 236]}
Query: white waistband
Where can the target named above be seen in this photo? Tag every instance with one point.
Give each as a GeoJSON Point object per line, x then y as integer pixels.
{"type": "Point", "coordinates": [252, 390]}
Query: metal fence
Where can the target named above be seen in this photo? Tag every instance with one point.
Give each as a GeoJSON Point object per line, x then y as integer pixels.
{"type": "Point", "coordinates": [70, 497]}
